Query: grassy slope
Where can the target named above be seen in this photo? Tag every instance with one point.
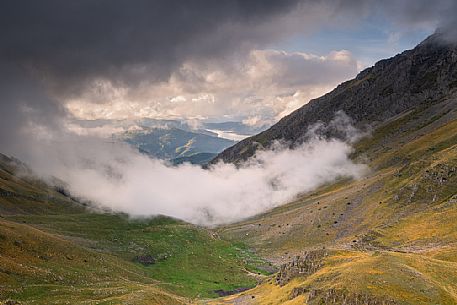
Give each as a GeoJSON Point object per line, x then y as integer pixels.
{"type": "Point", "coordinates": [54, 251]}
{"type": "Point", "coordinates": [392, 235]}
{"type": "Point", "coordinates": [40, 268]}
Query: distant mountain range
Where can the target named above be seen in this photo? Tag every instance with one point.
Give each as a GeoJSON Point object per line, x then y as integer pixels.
{"type": "Point", "coordinates": [175, 140]}
{"type": "Point", "coordinates": [172, 143]}
{"type": "Point", "coordinates": [198, 158]}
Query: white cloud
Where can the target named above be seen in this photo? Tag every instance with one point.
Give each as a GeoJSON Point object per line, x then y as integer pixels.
{"type": "Point", "coordinates": [129, 182]}
{"type": "Point", "coordinates": [178, 99]}
{"type": "Point", "coordinates": [267, 85]}
{"type": "Point", "coordinates": [252, 121]}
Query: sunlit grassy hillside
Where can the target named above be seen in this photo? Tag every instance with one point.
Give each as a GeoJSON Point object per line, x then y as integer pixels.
{"type": "Point", "coordinates": [54, 250]}
{"type": "Point", "coordinates": [390, 238]}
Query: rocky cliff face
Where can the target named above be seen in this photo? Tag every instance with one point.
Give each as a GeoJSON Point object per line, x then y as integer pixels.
{"type": "Point", "coordinates": [424, 75]}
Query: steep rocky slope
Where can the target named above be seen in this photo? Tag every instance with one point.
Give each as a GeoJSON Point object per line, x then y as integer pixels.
{"type": "Point", "coordinates": [389, 238]}
{"type": "Point", "coordinates": [425, 74]}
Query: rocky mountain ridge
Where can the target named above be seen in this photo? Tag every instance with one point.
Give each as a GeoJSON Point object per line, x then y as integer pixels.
{"type": "Point", "coordinates": [423, 75]}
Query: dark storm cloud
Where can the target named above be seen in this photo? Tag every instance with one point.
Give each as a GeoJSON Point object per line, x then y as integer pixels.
{"type": "Point", "coordinates": [24, 106]}
{"type": "Point", "coordinates": [71, 42]}
{"type": "Point", "coordinates": [123, 40]}
{"type": "Point", "coordinates": [61, 46]}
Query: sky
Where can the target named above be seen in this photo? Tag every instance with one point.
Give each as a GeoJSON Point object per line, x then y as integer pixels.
{"type": "Point", "coordinates": [231, 60]}
{"type": "Point", "coordinates": [271, 81]}
{"type": "Point", "coordinates": [369, 42]}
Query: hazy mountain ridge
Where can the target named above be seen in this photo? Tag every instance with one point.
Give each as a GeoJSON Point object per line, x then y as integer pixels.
{"type": "Point", "coordinates": [171, 139]}
{"type": "Point", "coordinates": [425, 74]}
{"type": "Point", "coordinates": [171, 143]}
{"type": "Point", "coordinates": [197, 158]}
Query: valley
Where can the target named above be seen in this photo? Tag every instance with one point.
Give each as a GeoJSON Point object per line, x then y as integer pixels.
{"type": "Point", "coordinates": [388, 238]}
{"type": "Point", "coordinates": [55, 250]}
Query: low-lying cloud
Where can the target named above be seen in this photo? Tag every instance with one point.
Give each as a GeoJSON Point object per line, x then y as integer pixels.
{"type": "Point", "coordinates": [114, 176]}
